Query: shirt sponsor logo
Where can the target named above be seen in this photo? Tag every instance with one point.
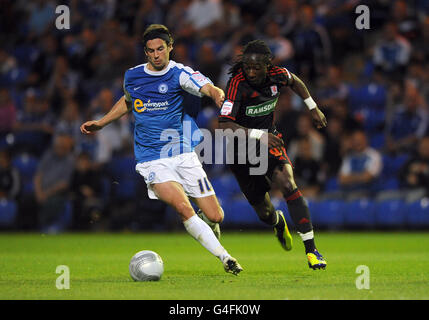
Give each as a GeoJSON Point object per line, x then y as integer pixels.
{"type": "Point", "coordinates": [226, 108]}
{"type": "Point", "coordinates": [261, 109]}
{"type": "Point", "coordinates": [140, 106]}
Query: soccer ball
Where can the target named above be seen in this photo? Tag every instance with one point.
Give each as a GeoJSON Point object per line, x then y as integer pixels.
{"type": "Point", "coordinates": [146, 265]}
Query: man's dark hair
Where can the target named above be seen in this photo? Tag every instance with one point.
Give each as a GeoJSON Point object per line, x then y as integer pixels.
{"type": "Point", "coordinates": [255, 46]}
{"type": "Point", "coordinates": [157, 31]}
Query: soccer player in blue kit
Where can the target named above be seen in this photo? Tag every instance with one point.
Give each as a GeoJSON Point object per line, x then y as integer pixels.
{"type": "Point", "coordinates": [154, 92]}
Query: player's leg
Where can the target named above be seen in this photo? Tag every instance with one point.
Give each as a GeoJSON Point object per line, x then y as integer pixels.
{"type": "Point", "coordinates": [199, 189]}
{"type": "Point", "coordinates": [162, 179]}
{"type": "Point", "coordinates": [299, 212]}
{"type": "Point", "coordinates": [255, 189]}
{"type": "Point", "coordinates": [173, 194]}
{"type": "Point", "coordinates": [210, 212]}
{"type": "Point", "coordinates": [267, 214]}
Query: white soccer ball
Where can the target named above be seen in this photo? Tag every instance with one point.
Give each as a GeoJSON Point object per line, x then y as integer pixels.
{"type": "Point", "coordinates": [146, 265]}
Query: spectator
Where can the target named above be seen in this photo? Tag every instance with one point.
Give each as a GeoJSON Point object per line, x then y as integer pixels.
{"type": "Point", "coordinates": [10, 184]}
{"type": "Point", "coordinates": [338, 17]}
{"type": "Point", "coordinates": [69, 123]}
{"type": "Point", "coordinates": [305, 129]}
{"type": "Point", "coordinates": [114, 138]}
{"type": "Point", "coordinates": [307, 169]}
{"type": "Point", "coordinates": [148, 13]}
{"type": "Point", "coordinates": [86, 193]}
{"type": "Point", "coordinates": [62, 84]}
{"type": "Point", "coordinates": [81, 50]}
{"type": "Point", "coordinates": [42, 15]}
{"type": "Point", "coordinates": [203, 16]}
{"type": "Point", "coordinates": [281, 47]}
{"type": "Point", "coordinates": [392, 52]}
{"type": "Point", "coordinates": [333, 90]}
{"type": "Point", "coordinates": [409, 123]}
{"type": "Point", "coordinates": [286, 117]}
{"type": "Point", "coordinates": [35, 124]}
{"type": "Point", "coordinates": [284, 13]}
{"type": "Point", "coordinates": [415, 172]}
{"type": "Point", "coordinates": [52, 180]}
{"type": "Point", "coordinates": [177, 12]}
{"type": "Point", "coordinates": [420, 47]}
{"type": "Point", "coordinates": [403, 18]}
{"type": "Point", "coordinates": [361, 167]}
{"type": "Point", "coordinates": [332, 156]}
{"type": "Point", "coordinates": [7, 112]}
{"type": "Point", "coordinates": [311, 43]}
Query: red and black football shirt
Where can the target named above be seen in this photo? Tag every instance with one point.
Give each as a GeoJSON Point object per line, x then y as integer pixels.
{"type": "Point", "coordinates": [253, 107]}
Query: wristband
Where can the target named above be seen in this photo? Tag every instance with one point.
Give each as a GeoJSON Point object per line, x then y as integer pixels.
{"type": "Point", "coordinates": [256, 133]}
{"type": "Point", "coordinates": [310, 103]}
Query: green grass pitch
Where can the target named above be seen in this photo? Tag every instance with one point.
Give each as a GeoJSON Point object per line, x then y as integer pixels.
{"type": "Point", "coordinates": [98, 264]}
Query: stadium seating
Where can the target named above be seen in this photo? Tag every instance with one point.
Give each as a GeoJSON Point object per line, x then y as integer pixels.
{"type": "Point", "coordinates": [125, 179]}
{"type": "Point", "coordinates": [390, 213]}
{"type": "Point", "coordinates": [240, 213]}
{"type": "Point", "coordinates": [63, 222]}
{"type": "Point", "coordinates": [26, 164]}
{"type": "Point", "coordinates": [418, 214]}
{"type": "Point", "coordinates": [359, 213]}
{"type": "Point", "coordinates": [225, 186]}
{"type": "Point", "coordinates": [328, 214]}
{"type": "Point", "coordinates": [8, 212]}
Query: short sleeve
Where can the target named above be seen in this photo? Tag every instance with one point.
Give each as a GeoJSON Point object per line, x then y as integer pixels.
{"type": "Point", "coordinates": [281, 76]}
{"type": "Point", "coordinates": [192, 81]}
{"type": "Point", "coordinates": [232, 102]}
{"type": "Point", "coordinates": [126, 93]}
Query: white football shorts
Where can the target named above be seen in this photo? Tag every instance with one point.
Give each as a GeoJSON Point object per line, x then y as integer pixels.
{"type": "Point", "coordinates": [185, 169]}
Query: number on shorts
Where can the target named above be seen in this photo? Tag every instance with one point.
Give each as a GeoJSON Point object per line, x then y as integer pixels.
{"type": "Point", "coordinates": [206, 182]}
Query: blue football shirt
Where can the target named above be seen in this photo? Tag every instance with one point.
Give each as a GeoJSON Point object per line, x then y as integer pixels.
{"type": "Point", "coordinates": [162, 126]}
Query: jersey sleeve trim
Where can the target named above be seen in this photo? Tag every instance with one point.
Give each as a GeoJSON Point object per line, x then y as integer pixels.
{"type": "Point", "coordinates": [233, 87]}
{"type": "Point", "coordinates": [227, 117]}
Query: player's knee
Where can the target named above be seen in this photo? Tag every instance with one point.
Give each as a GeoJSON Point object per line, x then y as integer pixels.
{"type": "Point", "coordinates": [288, 186]}
{"type": "Point", "coordinates": [218, 217]}
{"type": "Point", "coordinates": [184, 209]}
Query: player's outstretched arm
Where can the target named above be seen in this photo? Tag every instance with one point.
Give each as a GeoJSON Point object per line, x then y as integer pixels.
{"type": "Point", "coordinates": [300, 89]}
{"type": "Point", "coordinates": [213, 92]}
{"type": "Point", "coordinates": [119, 109]}
{"type": "Point", "coordinates": [267, 138]}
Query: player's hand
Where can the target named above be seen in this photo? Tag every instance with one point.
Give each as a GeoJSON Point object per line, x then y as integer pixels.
{"type": "Point", "coordinates": [90, 127]}
{"type": "Point", "coordinates": [219, 98]}
{"type": "Point", "coordinates": [272, 140]}
{"type": "Point", "coordinates": [319, 118]}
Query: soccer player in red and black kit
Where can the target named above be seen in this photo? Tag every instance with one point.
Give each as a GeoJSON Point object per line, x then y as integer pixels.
{"type": "Point", "coordinates": [251, 97]}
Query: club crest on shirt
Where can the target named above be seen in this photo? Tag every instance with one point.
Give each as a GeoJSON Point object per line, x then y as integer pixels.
{"type": "Point", "coordinates": [151, 177]}
{"type": "Point", "coordinates": [163, 88]}
{"type": "Point", "coordinates": [274, 90]}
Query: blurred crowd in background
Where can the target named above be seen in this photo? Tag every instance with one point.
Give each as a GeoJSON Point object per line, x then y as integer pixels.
{"type": "Point", "coordinates": [372, 84]}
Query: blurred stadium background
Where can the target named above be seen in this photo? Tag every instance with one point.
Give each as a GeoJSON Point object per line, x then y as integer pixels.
{"type": "Point", "coordinates": [375, 80]}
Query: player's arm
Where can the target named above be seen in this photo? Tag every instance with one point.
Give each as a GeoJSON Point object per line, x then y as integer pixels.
{"type": "Point", "coordinates": [229, 112]}
{"type": "Point", "coordinates": [118, 110]}
{"type": "Point", "coordinates": [213, 92]}
{"type": "Point", "coordinates": [271, 140]}
{"type": "Point", "coordinates": [299, 87]}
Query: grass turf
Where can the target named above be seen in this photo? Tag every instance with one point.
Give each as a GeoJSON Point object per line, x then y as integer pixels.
{"type": "Point", "coordinates": [98, 263]}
